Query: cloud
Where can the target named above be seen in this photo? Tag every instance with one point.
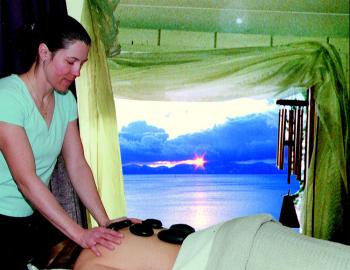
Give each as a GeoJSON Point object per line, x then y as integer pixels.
{"type": "Point", "coordinates": [141, 142]}
{"type": "Point", "coordinates": [179, 118]}
{"type": "Point", "coordinates": [252, 137]}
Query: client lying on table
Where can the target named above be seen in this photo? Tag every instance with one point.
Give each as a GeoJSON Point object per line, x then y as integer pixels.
{"type": "Point", "coordinates": [253, 242]}
{"type": "Point", "coordinates": [145, 246]}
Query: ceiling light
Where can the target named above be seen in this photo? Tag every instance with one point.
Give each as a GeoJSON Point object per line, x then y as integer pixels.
{"type": "Point", "coordinates": [239, 20]}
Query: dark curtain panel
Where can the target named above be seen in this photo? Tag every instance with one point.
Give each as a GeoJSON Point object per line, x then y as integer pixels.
{"type": "Point", "coordinates": [14, 14]}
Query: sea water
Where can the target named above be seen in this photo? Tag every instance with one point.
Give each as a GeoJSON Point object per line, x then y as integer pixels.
{"type": "Point", "coordinates": [201, 200]}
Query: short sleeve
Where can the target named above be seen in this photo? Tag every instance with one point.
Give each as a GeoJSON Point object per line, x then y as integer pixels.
{"type": "Point", "coordinates": [11, 108]}
{"type": "Point", "coordinates": [72, 107]}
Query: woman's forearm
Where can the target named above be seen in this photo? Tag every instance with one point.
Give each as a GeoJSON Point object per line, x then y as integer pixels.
{"type": "Point", "coordinates": [80, 174]}
{"type": "Point", "coordinates": [83, 182]}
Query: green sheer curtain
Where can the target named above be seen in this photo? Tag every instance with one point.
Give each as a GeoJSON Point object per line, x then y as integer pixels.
{"type": "Point", "coordinates": [222, 74]}
{"type": "Point", "coordinates": [97, 120]}
{"type": "Point", "coordinates": [106, 24]}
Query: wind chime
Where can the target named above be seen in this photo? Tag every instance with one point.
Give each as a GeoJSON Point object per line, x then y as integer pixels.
{"type": "Point", "coordinates": [291, 134]}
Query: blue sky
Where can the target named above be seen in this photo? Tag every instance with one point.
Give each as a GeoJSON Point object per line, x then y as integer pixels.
{"type": "Point", "coordinates": [246, 138]}
{"type": "Point", "coordinates": [180, 118]}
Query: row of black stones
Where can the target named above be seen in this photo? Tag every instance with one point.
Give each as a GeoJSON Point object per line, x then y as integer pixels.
{"type": "Point", "coordinates": [176, 234]}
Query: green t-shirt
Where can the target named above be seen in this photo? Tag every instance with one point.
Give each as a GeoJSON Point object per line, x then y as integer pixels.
{"type": "Point", "coordinates": [17, 107]}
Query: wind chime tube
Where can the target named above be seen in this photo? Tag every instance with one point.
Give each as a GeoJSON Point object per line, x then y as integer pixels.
{"type": "Point", "coordinates": [295, 144]}
{"type": "Point", "coordinates": [300, 142]}
{"type": "Point", "coordinates": [279, 140]}
{"type": "Point", "coordinates": [297, 136]}
{"type": "Point", "coordinates": [290, 142]}
{"type": "Point", "coordinates": [282, 138]}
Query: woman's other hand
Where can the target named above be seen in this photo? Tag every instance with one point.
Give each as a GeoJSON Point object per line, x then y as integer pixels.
{"type": "Point", "coordinates": [133, 220]}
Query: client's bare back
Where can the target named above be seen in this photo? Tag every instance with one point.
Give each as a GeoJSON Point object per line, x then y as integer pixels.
{"type": "Point", "coordinates": [135, 253]}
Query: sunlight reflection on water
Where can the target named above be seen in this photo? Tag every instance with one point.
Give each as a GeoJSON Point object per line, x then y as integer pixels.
{"type": "Point", "coordinates": [204, 200]}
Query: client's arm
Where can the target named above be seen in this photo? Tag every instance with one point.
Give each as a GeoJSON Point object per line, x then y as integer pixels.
{"type": "Point", "coordinates": [135, 252]}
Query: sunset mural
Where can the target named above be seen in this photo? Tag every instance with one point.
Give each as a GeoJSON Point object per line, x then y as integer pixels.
{"type": "Point", "coordinates": [240, 145]}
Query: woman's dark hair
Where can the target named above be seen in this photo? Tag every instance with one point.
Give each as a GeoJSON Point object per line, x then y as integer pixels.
{"type": "Point", "coordinates": [57, 33]}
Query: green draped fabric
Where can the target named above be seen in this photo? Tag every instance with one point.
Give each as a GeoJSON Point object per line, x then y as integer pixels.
{"type": "Point", "coordinates": [223, 74]}
{"type": "Point", "coordinates": [97, 121]}
{"type": "Point", "coordinates": [106, 24]}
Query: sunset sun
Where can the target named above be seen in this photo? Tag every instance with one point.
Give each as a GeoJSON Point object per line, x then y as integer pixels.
{"type": "Point", "coordinates": [199, 162]}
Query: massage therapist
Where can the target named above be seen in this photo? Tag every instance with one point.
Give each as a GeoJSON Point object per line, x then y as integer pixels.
{"type": "Point", "coordinates": [38, 120]}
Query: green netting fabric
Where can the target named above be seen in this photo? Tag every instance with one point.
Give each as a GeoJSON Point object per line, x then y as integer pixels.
{"type": "Point", "coordinates": [107, 24]}
{"type": "Point", "coordinates": [222, 74]}
{"type": "Point", "coordinates": [97, 121]}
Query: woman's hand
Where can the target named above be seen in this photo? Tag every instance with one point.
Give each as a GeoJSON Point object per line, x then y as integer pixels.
{"type": "Point", "coordinates": [103, 236]}
{"type": "Point", "coordinates": [107, 238]}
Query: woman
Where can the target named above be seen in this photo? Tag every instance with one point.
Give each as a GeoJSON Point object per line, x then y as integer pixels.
{"type": "Point", "coordinates": [38, 120]}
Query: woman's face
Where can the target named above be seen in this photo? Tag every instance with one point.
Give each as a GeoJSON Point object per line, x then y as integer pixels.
{"type": "Point", "coordinates": [64, 65]}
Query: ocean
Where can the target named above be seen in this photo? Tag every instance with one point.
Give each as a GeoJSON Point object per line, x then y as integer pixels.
{"type": "Point", "coordinates": [201, 200]}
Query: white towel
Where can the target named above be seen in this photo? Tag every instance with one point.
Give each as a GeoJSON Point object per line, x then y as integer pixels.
{"type": "Point", "coordinates": [277, 247]}
{"type": "Point", "coordinates": [259, 243]}
{"type": "Point", "coordinates": [214, 248]}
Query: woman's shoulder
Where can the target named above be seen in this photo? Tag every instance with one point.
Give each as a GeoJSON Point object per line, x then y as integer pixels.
{"type": "Point", "coordinates": [14, 105]}
{"type": "Point", "coordinates": [12, 84]}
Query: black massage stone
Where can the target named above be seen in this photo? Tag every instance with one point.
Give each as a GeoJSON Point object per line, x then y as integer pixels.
{"type": "Point", "coordinates": [141, 229]}
{"type": "Point", "coordinates": [119, 225]}
{"type": "Point", "coordinates": [172, 236]}
{"type": "Point", "coordinates": [154, 223]}
{"type": "Point", "coordinates": [183, 227]}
